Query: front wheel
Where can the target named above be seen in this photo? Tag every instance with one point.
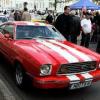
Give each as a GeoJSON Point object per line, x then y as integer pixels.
{"type": "Point", "coordinates": [20, 76]}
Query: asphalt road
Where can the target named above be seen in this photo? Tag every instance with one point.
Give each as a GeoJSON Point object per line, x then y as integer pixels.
{"type": "Point", "coordinates": [6, 74]}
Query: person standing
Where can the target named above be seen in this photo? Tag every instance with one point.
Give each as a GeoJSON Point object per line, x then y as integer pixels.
{"type": "Point", "coordinates": [75, 27]}
{"type": "Point", "coordinates": [63, 24]}
{"type": "Point", "coordinates": [5, 12]}
{"type": "Point", "coordinates": [26, 16]}
{"type": "Point", "coordinates": [11, 16]}
{"type": "Point", "coordinates": [98, 44]}
{"type": "Point", "coordinates": [17, 16]}
{"type": "Point", "coordinates": [86, 30]}
{"type": "Point", "coordinates": [98, 36]}
{"type": "Point", "coordinates": [49, 18]}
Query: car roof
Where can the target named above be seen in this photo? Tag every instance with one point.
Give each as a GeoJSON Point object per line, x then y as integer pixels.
{"type": "Point", "coordinates": [28, 23]}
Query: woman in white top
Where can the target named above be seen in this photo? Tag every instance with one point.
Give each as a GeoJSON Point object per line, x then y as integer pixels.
{"type": "Point", "coordinates": [86, 30]}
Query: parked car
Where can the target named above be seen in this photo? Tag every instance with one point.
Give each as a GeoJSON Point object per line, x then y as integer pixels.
{"type": "Point", "coordinates": [37, 18]}
{"type": "Point", "coordinates": [39, 51]}
{"type": "Point", "coordinates": [3, 19]}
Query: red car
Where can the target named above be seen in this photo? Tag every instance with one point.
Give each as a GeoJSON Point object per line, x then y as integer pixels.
{"type": "Point", "coordinates": [39, 51]}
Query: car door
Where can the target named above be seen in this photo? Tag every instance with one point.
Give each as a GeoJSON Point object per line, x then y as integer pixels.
{"type": "Point", "coordinates": [8, 43]}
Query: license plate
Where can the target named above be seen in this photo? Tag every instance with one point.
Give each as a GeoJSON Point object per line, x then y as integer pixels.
{"type": "Point", "coordinates": [80, 85]}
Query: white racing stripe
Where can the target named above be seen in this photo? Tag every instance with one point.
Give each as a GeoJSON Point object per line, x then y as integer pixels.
{"type": "Point", "coordinates": [76, 52]}
{"type": "Point", "coordinates": [73, 78]}
{"type": "Point", "coordinates": [63, 53]}
{"type": "Point", "coordinates": [87, 76]}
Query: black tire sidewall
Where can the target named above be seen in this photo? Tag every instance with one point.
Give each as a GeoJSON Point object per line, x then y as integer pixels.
{"type": "Point", "coordinates": [18, 66]}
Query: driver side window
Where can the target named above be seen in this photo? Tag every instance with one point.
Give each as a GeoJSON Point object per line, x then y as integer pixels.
{"type": "Point", "coordinates": [9, 29]}
{"type": "Point", "coordinates": [2, 29]}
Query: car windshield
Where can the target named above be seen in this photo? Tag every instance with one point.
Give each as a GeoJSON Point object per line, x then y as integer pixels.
{"type": "Point", "coordinates": [34, 32]}
{"type": "Point", "coordinates": [3, 19]}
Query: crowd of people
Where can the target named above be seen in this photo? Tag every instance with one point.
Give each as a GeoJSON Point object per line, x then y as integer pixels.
{"type": "Point", "coordinates": [20, 15]}
{"type": "Point", "coordinates": [70, 24]}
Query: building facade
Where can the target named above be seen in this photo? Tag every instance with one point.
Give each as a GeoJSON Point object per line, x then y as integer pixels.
{"type": "Point", "coordinates": [33, 4]}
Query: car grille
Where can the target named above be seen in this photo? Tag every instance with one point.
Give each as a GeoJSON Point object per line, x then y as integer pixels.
{"type": "Point", "coordinates": [77, 67]}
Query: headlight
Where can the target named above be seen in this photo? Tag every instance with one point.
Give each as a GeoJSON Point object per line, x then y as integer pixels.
{"type": "Point", "coordinates": [45, 69]}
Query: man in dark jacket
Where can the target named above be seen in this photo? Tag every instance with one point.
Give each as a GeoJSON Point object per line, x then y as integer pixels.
{"type": "Point", "coordinates": [17, 16]}
{"type": "Point", "coordinates": [49, 18]}
{"type": "Point", "coordinates": [63, 24]}
{"type": "Point", "coordinates": [75, 27]}
{"type": "Point", "coordinates": [98, 35]}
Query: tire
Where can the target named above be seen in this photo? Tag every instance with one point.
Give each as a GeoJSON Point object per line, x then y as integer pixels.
{"type": "Point", "coordinates": [20, 76]}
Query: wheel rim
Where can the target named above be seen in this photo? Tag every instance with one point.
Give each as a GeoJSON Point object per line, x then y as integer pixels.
{"type": "Point", "coordinates": [19, 76]}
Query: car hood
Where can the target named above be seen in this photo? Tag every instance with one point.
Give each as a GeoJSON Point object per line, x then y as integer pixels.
{"type": "Point", "coordinates": [59, 52]}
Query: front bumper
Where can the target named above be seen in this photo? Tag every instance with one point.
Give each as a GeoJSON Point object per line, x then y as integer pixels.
{"type": "Point", "coordinates": [63, 81]}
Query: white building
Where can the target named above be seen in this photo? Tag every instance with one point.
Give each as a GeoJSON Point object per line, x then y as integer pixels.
{"type": "Point", "coordinates": [38, 4]}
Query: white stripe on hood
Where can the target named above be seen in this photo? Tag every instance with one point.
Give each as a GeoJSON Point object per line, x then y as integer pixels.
{"type": "Point", "coordinates": [76, 52]}
{"type": "Point", "coordinates": [70, 58]}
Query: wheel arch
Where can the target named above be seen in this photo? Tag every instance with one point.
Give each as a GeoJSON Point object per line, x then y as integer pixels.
{"type": "Point", "coordinates": [17, 61]}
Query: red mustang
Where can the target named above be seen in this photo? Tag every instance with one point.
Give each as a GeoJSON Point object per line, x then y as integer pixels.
{"type": "Point", "coordinates": [38, 50]}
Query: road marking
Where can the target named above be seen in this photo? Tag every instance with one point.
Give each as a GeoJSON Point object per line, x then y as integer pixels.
{"type": "Point", "coordinates": [6, 92]}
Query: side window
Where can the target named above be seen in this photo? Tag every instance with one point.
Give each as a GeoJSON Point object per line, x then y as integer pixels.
{"type": "Point", "coordinates": [9, 29]}
{"type": "Point", "coordinates": [2, 29]}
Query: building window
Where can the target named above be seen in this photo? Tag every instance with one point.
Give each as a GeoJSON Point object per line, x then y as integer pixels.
{"type": "Point", "coordinates": [50, 4]}
{"type": "Point", "coordinates": [40, 4]}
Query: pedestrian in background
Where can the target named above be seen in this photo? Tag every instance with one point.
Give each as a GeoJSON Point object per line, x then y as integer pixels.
{"type": "Point", "coordinates": [11, 16]}
{"type": "Point", "coordinates": [95, 27]}
{"type": "Point", "coordinates": [5, 12]}
{"type": "Point", "coordinates": [63, 23]}
{"type": "Point", "coordinates": [49, 18]}
{"type": "Point", "coordinates": [98, 44]}
{"type": "Point", "coordinates": [86, 30]}
{"type": "Point", "coordinates": [75, 27]}
{"type": "Point", "coordinates": [98, 35]}
{"type": "Point", "coordinates": [26, 15]}
{"type": "Point", "coordinates": [17, 16]}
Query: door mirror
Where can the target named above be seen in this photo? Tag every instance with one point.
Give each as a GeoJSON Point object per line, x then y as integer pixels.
{"type": "Point", "coordinates": [7, 35]}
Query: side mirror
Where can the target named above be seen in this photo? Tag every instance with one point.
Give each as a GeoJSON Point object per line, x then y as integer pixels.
{"type": "Point", "coordinates": [7, 35]}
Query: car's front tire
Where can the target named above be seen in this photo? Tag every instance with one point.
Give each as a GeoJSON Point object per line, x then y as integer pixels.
{"type": "Point", "coordinates": [20, 76]}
